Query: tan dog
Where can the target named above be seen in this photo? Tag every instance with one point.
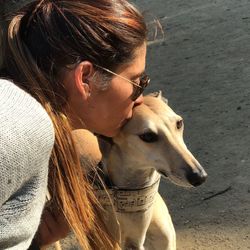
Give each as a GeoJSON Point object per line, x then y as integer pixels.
{"type": "Point", "coordinates": [150, 145]}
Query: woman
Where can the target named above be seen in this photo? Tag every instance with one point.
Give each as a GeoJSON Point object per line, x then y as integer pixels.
{"type": "Point", "coordinates": [83, 63]}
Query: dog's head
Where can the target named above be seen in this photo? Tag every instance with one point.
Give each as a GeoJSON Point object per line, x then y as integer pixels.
{"type": "Point", "coordinates": [153, 138]}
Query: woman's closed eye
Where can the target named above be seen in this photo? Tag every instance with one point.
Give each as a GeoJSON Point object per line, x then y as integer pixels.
{"type": "Point", "coordinates": [136, 80]}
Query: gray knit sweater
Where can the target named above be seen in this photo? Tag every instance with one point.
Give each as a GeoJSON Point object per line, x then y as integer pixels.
{"type": "Point", "coordinates": [26, 141]}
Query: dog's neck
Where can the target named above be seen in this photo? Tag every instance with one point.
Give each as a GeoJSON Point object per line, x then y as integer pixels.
{"type": "Point", "coordinates": [126, 172]}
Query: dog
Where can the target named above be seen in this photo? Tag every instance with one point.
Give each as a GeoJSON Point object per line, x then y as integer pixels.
{"type": "Point", "coordinates": [149, 146]}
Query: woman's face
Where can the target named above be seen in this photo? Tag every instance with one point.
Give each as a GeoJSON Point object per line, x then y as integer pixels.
{"type": "Point", "coordinates": [105, 111]}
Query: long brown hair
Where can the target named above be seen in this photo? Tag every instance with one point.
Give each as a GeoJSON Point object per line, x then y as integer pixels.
{"type": "Point", "coordinates": [45, 37]}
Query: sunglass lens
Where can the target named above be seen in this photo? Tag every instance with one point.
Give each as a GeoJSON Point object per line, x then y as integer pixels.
{"type": "Point", "coordinates": [144, 81]}
{"type": "Point", "coordinates": [136, 93]}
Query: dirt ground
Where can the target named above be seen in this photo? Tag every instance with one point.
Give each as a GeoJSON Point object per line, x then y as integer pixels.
{"type": "Point", "coordinates": [203, 67]}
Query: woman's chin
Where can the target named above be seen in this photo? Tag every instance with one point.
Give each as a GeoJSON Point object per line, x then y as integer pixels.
{"type": "Point", "coordinates": [111, 133]}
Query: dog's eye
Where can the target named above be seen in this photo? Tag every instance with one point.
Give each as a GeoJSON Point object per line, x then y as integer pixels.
{"type": "Point", "coordinates": [179, 124]}
{"type": "Point", "coordinates": [149, 137]}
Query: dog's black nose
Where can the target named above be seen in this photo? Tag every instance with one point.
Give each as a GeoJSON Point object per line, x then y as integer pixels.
{"type": "Point", "coordinates": [196, 178]}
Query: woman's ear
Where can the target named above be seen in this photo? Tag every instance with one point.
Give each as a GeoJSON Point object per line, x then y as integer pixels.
{"type": "Point", "coordinates": [83, 72]}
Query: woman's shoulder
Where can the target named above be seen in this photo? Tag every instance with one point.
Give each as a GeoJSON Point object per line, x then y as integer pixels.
{"type": "Point", "coordinates": [13, 96]}
{"type": "Point", "coordinates": [20, 108]}
{"type": "Point", "coordinates": [26, 131]}
{"type": "Point", "coordinates": [26, 141]}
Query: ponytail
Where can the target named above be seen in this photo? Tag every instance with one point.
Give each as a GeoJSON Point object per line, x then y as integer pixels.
{"type": "Point", "coordinates": [68, 183]}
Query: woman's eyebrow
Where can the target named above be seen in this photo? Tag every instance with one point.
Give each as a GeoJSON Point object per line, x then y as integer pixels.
{"type": "Point", "coordinates": [138, 75]}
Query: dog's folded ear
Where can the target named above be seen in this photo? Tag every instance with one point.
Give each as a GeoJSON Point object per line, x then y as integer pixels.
{"type": "Point", "coordinates": [87, 147]}
{"type": "Point", "coordinates": [158, 94]}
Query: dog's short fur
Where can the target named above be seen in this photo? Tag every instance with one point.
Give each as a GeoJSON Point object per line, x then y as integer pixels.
{"type": "Point", "coordinates": [150, 145]}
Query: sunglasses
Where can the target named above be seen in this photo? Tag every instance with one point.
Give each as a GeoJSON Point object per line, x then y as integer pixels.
{"type": "Point", "coordinates": [138, 88]}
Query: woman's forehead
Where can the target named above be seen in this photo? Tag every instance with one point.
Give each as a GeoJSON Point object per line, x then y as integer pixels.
{"type": "Point", "coordinates": [136, 67]}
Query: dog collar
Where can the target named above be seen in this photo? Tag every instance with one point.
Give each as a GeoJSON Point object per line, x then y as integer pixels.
{"type": "Point", "coordinates": [128, 200]}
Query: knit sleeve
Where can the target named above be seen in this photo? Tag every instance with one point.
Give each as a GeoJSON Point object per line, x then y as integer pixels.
{"type": "Point", "coordinates": [26, 141]}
